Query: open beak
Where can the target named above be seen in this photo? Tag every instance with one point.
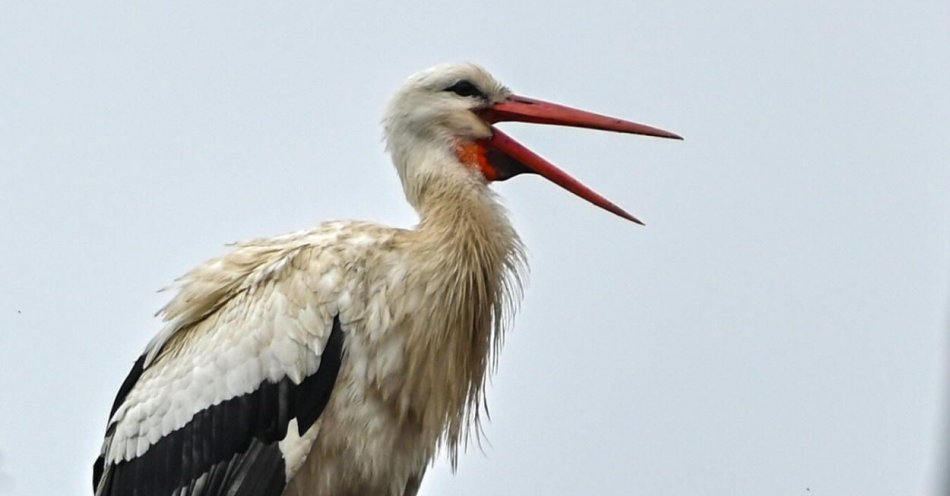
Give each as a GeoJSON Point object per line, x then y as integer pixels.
{"type": "Point", "coordinates": [511, 158]}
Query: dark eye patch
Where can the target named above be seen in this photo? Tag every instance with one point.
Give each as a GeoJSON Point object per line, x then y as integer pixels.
{"type": "Point", "coordinates": [465, 88]}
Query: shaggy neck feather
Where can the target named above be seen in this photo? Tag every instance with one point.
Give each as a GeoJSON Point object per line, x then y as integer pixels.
{"type": "Point", "coordinates": [471, 260]}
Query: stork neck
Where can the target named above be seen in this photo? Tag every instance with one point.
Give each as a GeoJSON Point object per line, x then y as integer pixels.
{"type": "Point", "coordinates": [448, 195]}
{"type": "Point", "coordinates": [469, 260]}
{"type": "Point", "coordinates": [462, 208]}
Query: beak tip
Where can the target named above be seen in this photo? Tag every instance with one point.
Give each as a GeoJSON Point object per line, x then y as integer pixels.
{"type": "Point", "coordinates": [669, 135]}
{"type": "Point", "coordinates": [629, 217]}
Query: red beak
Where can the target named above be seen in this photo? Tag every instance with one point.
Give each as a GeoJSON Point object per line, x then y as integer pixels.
{"type": "Point", "coordinates": [518, 159]}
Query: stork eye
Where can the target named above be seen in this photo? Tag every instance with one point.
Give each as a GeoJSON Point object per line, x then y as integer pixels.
{"type": "Point", "coordinates": [465, 88]}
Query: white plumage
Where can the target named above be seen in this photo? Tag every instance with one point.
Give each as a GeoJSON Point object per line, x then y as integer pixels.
{"type": "Point", "coordinates": [337, 360]}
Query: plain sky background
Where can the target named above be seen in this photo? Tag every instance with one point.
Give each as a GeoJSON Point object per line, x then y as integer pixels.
{"type": "Point", "coordinates": [778, 328]}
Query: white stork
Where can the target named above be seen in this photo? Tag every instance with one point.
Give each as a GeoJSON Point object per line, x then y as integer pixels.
{"type": "Point", "coordinates": [338, 360]}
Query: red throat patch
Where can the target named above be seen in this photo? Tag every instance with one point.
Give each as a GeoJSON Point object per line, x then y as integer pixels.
{"type": "Point", "coordinates": [475, 155]}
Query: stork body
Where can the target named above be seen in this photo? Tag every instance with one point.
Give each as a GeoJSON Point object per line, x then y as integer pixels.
{"type": "Point", "coordinates": [338, 360]}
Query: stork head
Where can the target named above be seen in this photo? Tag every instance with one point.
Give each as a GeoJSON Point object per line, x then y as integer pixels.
{"type": "Point", "coordinates": [440, 124]}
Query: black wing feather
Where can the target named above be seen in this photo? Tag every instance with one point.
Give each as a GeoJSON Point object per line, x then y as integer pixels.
{"type": "Point", "coordinates": [130, 380]}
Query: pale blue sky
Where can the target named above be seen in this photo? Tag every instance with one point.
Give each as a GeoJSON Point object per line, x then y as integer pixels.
{"type": "Point", "coordinates": [777, 328]}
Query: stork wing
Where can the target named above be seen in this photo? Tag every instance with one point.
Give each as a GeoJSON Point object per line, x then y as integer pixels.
{"type": "Point", "coordinates": [233, 447]}
{"type": "Point", "coordinates": [227, 400]}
